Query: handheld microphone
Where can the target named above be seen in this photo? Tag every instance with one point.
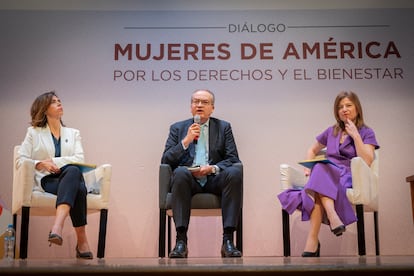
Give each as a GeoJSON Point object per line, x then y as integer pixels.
{"type": "Point", "coordinates": [197, 120]}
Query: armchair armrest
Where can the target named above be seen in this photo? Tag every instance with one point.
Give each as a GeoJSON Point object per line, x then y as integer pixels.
{"type": "Point", "coordinates": [23, 182]}
{"type": "Point", "coordinates": [98, 181]}
{"type": "Point", "coordinates": [164, 177]}
{"type": "Point", "coordinates": [291, 178]}
{"type": "Point", "coordinates": [364, 183]}
{"type": "Point", "coordinates": [239, 165]}
{"type": "Point", "coordinates": [103, 175]}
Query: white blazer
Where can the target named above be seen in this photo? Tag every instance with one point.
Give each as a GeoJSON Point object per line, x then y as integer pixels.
{"type": "Point", "coordinates": [38, 145]}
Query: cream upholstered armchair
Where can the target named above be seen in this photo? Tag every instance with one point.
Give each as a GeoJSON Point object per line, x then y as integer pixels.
{"type": "Point", "coordinates": [363, 195]}
{"type": "Point", "coordinates": [27, 201]}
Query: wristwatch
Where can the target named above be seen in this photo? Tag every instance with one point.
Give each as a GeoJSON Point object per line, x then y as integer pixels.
{"type": "Point", "coordinates": [215, 169]}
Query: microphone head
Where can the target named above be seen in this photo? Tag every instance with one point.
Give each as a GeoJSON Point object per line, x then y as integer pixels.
{"type": "Point", "coordinates": [197, 119]}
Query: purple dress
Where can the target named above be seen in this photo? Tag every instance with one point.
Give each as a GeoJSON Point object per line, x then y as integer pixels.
{"type": "Point", "coordinates": [327, 179]}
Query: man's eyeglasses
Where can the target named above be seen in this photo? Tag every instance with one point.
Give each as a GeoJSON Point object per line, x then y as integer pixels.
{"type": "Point", "coordinates": [200, 102]}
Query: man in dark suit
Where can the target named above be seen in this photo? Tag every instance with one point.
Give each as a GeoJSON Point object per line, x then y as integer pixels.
{"type": "Point", "coordinates": [207, 144]}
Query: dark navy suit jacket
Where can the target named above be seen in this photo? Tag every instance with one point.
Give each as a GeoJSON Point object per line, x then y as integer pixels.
{"type": "Point", "coordinates": [222, 147]}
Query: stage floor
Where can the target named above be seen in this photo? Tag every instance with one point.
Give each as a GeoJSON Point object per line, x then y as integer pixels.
{"type": "Point", "coordinates": [392, 265]}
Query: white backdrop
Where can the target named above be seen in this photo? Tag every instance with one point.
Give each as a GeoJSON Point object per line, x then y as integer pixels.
{"type": "Point", "coordinates": [275, 118]}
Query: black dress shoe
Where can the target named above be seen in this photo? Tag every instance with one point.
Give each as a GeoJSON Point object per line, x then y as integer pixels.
{"type": "Point", "coordinates": [338, 230]}
{"type": "Point", "coordinates": [180, 250]}
{"type": "Point", "coordinates": [312, 254]}
{"type": "Point", "coordinates": [228, 250]}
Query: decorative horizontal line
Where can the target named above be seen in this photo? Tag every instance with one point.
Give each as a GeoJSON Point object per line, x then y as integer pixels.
{"type": "Point", "coordinates": [172, 28]}
{"type": "Point", "coordinates": [339, 26]}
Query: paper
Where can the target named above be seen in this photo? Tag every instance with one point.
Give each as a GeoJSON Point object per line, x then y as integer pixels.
{"type": "Point", "coordinates": [194, 168]}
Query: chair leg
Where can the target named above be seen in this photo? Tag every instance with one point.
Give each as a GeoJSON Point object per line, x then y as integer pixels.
{"type": "Point", "coordinates": [15, 227]}
{"type": "Point", "coordinates": [377, 249]}
{"type": "Point", "coordinates": [239, 233]}
{"type": "Point", "coordinates": [24, 232]}
{"type": "Point", "coordinates": [360, 229]}
{"type": "Point", "coordinates": [169, 233]}
{"type": "Point", "coordinates": [14, 222]}
{"type": "Point", "coordinates": [161, 237]}
{"type": "Point", "coordinates": [102, 233]}
{"type": "Point", "coordinates": [286, 233]}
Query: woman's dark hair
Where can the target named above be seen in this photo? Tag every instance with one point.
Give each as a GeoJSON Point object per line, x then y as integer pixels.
{"type": "Point", "coordinates": [39, 108]}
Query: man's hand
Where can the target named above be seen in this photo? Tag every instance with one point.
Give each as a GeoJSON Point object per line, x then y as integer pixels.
{"type": "Point", "coordinates": [203, 171]}
{"type": "Point", "coordinates": [193, 132]}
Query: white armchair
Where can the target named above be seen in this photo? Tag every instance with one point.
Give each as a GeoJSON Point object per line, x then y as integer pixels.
{"type": "Point", "coordinates": [27, 201]}
{"type": "Point", "coordinates": [363, 195]}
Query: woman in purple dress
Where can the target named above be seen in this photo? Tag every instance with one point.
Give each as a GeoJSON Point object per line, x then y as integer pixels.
{"type": "Point", "coordinates": [323, 199]}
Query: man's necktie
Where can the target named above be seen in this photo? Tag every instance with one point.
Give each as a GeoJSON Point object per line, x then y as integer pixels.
{"type": "Point", "coordinates": [201, 153]}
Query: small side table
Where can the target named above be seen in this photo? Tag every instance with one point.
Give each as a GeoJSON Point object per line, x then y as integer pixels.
{"type": "Point", "coordinates": [410, 179]}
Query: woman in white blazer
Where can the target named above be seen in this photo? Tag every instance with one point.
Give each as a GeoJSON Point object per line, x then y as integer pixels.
{"type": "Point", "coordinates": [53, 147]}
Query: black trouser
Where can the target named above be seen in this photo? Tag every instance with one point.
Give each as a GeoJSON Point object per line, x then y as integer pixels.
{"type": "Point", "coordinates": [69, 186]}
{"type": "Point", "coordinates": [227, 184]}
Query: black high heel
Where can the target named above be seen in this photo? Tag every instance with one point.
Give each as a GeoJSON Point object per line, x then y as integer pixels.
{"type": "Point", "coordinates": [312, 254]}
{"type": "Point", "coordinates": [339, 230]}
{"type": "Point", "coordinates": [54, 238]}
{"type": "Point", "coordinates": [83, 255]}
